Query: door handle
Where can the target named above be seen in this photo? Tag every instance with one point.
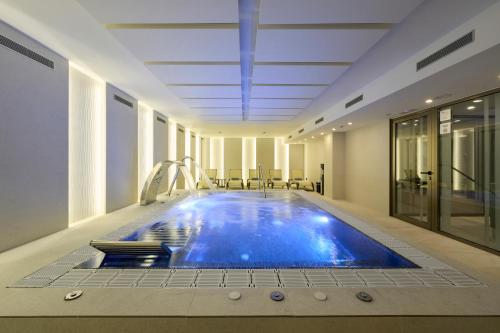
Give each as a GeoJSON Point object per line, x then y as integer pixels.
{"type": "Point", "coordinates": [428, 173]}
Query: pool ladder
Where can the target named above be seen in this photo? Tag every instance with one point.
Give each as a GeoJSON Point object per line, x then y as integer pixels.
{"type": "Point", "coordinates": [260, 174]}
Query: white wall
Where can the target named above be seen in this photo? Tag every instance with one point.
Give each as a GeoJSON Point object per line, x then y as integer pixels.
{"type": "Point", "coordinates": [314, 155]}
{"type": "Point", "coordinates": [121, 150]}
{"type": "Point", "coordinates": [281, 157]}
{"type": "Point", "coordinates": [87, 146]}
{"type": "Point", "coordinates": [33, 143]}
{"type": "Point", "coordinates": [248, 155]}
{"type": "Point", "coordinates": [217, 155]}
{"type": "Point", "coordinates": [367, 166]}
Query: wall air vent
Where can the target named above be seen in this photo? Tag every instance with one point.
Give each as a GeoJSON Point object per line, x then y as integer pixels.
{"type": "Point", "coordinates": [180, 129]}
{"type": "Point", "coordinates": [354, 101]}
{"type": "Point", "coordinates": [9, 43]}
{"type": "Point", "coordinates": [301, 130]}
{"type": "Point", "coordinates": [161, 120]}
{"type": "Point", "coordinates": [123, 101]}
{"type": "Point", "coordinates": [319, 120]}
{"type": "Point", "coordinates": [450, 48]}
{"type": "Point", "coordinates": [289, 137]}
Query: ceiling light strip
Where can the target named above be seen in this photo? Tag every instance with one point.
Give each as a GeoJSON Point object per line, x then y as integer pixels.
{"type": "Point", "coordinates": [193, 63]}
{"type": "Point", "coordinates": [249, 18]}
{"type": "Point", "coordinates": [327, 26]}
{"type": "Point", "coordinates": [290, 85]}
{"type": "Point", "coordinates": [167, 26]}
{"type": "Point", "coordinates": [303, 63]}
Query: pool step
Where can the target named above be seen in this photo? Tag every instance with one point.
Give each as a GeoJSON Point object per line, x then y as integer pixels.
{"type": "Point", "coordinates": [131, 247]}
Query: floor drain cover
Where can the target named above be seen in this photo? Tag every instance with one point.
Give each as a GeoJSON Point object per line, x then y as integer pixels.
{"type": "Point", "coordinates": [364, 296]}
{"type": "Point", "coordinates": [73, 295]}
{"type": "Point", "coordinates": [277, 296]}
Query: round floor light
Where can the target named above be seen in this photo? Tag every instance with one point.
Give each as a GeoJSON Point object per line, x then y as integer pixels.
{"type": "Point", "coordinates": [234, 295]}
{"type": "Point", "coordinates": [277, 296]}
{"type": "Point", "coordinates": [73, 295]}
{"type": "Point", "coordinates": [364, 296]}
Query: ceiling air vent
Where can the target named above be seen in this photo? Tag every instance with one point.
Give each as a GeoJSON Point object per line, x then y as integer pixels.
{"type": "Point", "coordinates": [319, 120]}
{"type": "Point", "coordinates": [123, 101]}
{"type": "Point", "coordinates": [301, 130]}
{"type": "Point", "coordinates": [161, 120]}
{"type": "Point", "coordinates": [25, 51]}
{"type": "Point", "coordinates": [354, 101]}
{"type": "Point", "coordinates": [450, 48]}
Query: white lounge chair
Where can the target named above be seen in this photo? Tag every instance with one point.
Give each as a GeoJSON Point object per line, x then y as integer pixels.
{"type": "Point", "coordinates": [276, 180]}
{"type": "Point", "coordinates": [297, 180]}
{"type": "Point", "coordinates": [235, 180]}
{"type": "Point", "coordinates": [253, 180]}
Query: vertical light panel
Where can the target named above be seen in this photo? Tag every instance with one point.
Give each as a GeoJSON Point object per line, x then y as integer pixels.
{"type": "Point", "coordinates": [217, 155]}
{"type": "Point", "coordinates": [187, 149]}
{"type": "Point", "coordinates": [87, 145]}
{"type": "Point", "coordinates": [248, 156]}
{"type": "Point", "coordinates": [146, 144]}
{"type": "Point", "coordinates": [281, 156]}
{"type": "Point", "coordinates": [198, 156]}
{"type": "Point", "coordinates": [172, 148]}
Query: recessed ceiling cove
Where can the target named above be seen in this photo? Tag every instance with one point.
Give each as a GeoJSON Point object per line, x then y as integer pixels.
{"type": "Point", "coordinates": [255, 61]}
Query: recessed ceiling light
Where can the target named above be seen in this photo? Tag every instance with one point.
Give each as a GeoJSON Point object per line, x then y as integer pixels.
{"type": "Point", "coordinates": [404, 124]}
{"type": "Point", "coordinates": [416, 120]}
{"type": "Point", "coordinates": [457, 121]}
{"type": "Point", "coordinates": [429, 101]}
{"type": "Point", "coordinates": [471, 107]}
{"type": "Point", "coordinates": [322, 133]}
{"type": "Point", "coordinates": [334, 129]}
{"type": "Point", "coordinates": [477, 101]}
{"type": "Point", "coordinates": [349, 123]}
{"type": "Point", "coordinates": [312, 137]}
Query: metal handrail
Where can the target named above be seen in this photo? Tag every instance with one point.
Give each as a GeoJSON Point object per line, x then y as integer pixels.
{"type": "Point", "coordinates": [260, 180]}
{"type": "Point", "coordinates": [463, 174]}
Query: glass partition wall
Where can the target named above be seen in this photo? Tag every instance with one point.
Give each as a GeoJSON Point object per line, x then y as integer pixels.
{"type": "Point", "coordinates": [445, 170]}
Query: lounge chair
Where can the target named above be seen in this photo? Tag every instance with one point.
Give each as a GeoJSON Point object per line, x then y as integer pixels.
{"type": "Point", "coordinates": [297, 179]}
{"type": "Point", "coordinates": [253, 180]}
{"type": "Point", "coordinates": [235, 180]}
{"type": "Point", "coordinates": [212, 175]}
{"type": "Point", "coordinates": [276, 180]}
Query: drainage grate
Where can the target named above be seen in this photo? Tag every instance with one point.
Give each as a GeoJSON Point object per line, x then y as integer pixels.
{"type": "Point", "coordinates": [238, 278]}
{"type": "Point", "coordinates": [9, 43]}
{"type": "Point", "coordinates": [210, 278]}
{"type": "Point", "coordinates": [183, 278]}
{"type": "Point", "coordinates": [320, 278]}
{"type": "Point", "coordinates": [292, 278]}
{"type": "Point", "coordinates": [265, 278]}
{"type": "Point", "coordinates": [154, 279]}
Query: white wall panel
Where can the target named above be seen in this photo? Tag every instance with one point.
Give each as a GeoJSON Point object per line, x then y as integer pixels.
{"type": "Point", "coordinates": [33, 143]}
{"type": "Point", "coordinates": [249, 157]}
{"type": "Point", "coordinates": [281, 156]}
{"type": "Point", "coordinates": [121, 150]}
{"type": "Point", "coordinates": [87, 146]}
{"type": "Point", "coordinates": [145, 144]}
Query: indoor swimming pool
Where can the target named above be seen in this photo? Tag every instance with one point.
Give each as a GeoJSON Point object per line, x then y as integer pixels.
{"type": "Point", "coordinates": [246, 230]}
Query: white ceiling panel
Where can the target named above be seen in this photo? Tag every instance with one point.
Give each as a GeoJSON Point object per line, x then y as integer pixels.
{"type": "Point", "coordinates": [199, 74]}
{"type": "Point", "coordinates": [279, 103]}
{"type": "Point", "coordinates": [206, 91]}
{"type": "Point", "coordinates": [162, 11]}
{"type": "Point", "coordinates": [287, 91]}
{"type": "Point", "coordinates": [181, 44]}
{"type": "Point", "coordinates": [270, 118]}
{"type": "Point", "coordinates": [217, 111]}
{"type": "Point", "coordinates": [314, 45]}
{"type": "Point", "coordinates": [211, 103]}
{"type": "Point", "coordinates": [335, 11]}
{"type": "Point", "coordinates": [296, 74]}
{"type": "Point", "coordinates": [275, 112]}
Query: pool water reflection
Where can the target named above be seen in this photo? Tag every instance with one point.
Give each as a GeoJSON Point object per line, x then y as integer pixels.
{"type": "Point", "coordinates": [245, 230]}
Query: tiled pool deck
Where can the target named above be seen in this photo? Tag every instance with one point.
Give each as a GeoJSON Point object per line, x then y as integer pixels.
{"type": "Point", "coordinates": [63, 272]}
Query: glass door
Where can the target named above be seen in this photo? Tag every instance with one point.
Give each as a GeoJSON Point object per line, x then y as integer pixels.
{"type": "Point", "coordinates": [412, 172]}
{"type": "Point", "coordinates": [469, 140]}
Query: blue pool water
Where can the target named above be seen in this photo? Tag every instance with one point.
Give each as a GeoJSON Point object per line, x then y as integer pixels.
{"type": "Point", "coordinates": [245, 230]}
